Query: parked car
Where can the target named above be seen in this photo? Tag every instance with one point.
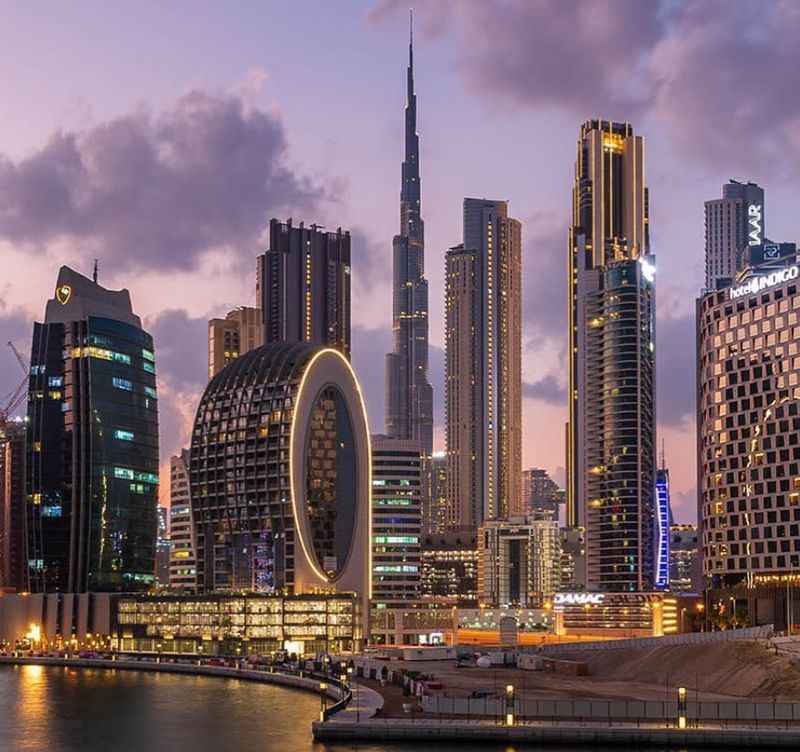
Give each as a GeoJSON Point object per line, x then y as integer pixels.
{"type": "Point", "coordinates": [479, 694]}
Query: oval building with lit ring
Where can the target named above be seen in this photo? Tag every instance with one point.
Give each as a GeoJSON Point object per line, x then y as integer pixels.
{"type": "Point", "coordinates": [280, 475]}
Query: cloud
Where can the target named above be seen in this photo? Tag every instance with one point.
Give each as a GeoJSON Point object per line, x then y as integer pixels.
{"type": "Point", "coordinates": [546, 52]}
{"type": "Point", "coordinates": [544, 277]}
{"type": "Point", "coordinates": [181, 345]}
{"type": "Point", "coordinates": [720, 75]}
{"type": "Point", "coordinates": [17, 327]}
{"type": "Point", "coordinates": [548, 389]}
{"type": "Point", "coordinates": [156, 189]}
{"type": "Point", "coordinates": [675, 370]}
{"type": "Point", "coordinates": [725, 79]}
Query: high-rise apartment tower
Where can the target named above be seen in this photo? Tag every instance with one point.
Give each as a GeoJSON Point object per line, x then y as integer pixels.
{"type": "Point", "coordinates": [304, 286]}
{"type": "Point", "coordinates": [483, 383]}
{"type": "Point", "coordinates": [611, 432]}
{"type": "Point", "coordinates": [734, 223]}
{"type": "Point", "coordinates": [239, 332]}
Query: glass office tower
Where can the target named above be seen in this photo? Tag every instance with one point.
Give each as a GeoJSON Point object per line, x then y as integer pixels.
{"type": "Point", "coordinates": [92, 470]}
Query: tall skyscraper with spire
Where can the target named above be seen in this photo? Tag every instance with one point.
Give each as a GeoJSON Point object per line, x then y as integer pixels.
{"type": "Point", "coordinates": [409, 396]}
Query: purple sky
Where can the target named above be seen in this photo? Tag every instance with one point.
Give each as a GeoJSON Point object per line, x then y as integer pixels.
{"type": "Point", "coordinates": [161, 139]}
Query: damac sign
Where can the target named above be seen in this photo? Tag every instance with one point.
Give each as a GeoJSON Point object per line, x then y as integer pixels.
{"type": "Point", "coordinates": [754, 220]}
{"type": "Point", "coordinates": [756, 284]}
{"type": "Point", "coordinates": [579, 599]}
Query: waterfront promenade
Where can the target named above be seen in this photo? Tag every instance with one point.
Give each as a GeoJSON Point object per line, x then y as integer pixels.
{"type": "Point", "coordinates": [555, 732]}
{"type": "Point", "coordinates": [361, 720]}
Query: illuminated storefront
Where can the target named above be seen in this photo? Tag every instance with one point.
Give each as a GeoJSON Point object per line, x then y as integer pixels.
{"type": "Point", "coordinates": [248, 624]}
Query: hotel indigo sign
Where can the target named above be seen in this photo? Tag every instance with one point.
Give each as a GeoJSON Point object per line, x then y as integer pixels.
{"type": "Point", "coordinates": [757, 284]}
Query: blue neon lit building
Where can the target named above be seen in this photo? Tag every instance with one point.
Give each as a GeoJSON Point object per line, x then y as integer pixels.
{"type": "Point", "coordinates": [661, 579]}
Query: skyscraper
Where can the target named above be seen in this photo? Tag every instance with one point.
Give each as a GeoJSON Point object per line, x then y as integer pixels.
{"type": "Point", "coordinates": [663, 523]}
{"type": "Point", "coordinates": [396, 520]}
{"type": "Point", "coordinates": [541, 496]}
{"type": "Point", "coordinates": [519, 562]}
{"type": "Point", "coordinates": [304, 286]}
{"type": "Point", "coordinates": [435, 518]}
{"type": "Point", "coordinates": [239, 332]}
{"type": "Point", "coordinates": [611, 432]}
{"type": "Point", "coordinates": [733, 224]}
{"type": "Point", "coordinates": [162, 548]}
{"type": "Point", "coordinates": [483, 381]}
{"type": "Point", "coordinates": [182, 565]}
{"type": "Point", "coordinates": [288, 510]}
{"type": "Point", "coordinates": [13, 547]}
{"type": "Point", "coordinates": [92, 446]}
{"type": "Point", "coordinates": [409, 396]}
{"type": "Point", "coordinates": [748, 456]}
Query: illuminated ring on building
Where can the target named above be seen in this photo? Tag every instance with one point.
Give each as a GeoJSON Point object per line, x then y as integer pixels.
{"type": "Point", "coordinates": [330, 373]}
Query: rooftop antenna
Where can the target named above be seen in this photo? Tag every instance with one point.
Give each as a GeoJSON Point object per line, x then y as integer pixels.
{"type": "Point", "coordinates": [94, 275]}
{"type": "Point", "coordinates": [663, 456]}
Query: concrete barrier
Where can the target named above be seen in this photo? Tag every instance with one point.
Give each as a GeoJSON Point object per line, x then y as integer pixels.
{"type": "Point", "coordinates": [656, 735]}
{"type": "Point", "coordinates": [693, 638]}
{"type": "Point", "coordinates": [615, 710]}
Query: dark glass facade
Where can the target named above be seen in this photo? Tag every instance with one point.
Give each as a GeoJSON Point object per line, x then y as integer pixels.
{"type": "Point", "coordinates": [620, 429]}
{"type": "Point", "coordinates": [330, 479]}
{"type": "Point", "coordinates": [92, 471]}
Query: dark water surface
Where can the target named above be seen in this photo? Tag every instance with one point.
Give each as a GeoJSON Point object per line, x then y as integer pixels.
{"type": "Point", "coordinates": [94, 710]}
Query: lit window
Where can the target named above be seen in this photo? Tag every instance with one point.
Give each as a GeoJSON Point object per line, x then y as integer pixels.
{"type": "Point", "coordinates": [123, 435]}
{"type": "Point", "coordinates": [123, 384]}
{"type": "Point", "coordinates": [149, 367]}
{"type": "Point", "coordinates": [148, 355]}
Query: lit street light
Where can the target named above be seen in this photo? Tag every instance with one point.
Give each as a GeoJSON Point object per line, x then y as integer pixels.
{"type": "Point", "coordinates": [509, 705]}
{"type": "Point", "coordinates": [681, 707]}
{"type": "Point", "coordinates": [323, 686]}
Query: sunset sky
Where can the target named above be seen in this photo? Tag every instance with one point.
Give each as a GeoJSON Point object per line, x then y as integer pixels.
{"type": "Point", "coordinates": [161, 138]}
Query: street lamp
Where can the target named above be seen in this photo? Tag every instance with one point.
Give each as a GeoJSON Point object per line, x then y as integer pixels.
{"type": "Point", "coordinates": [509, 705]}
{"type": "Point", "coordinates": [350, 682]}
{"type": "Point", "coordinates": [681, 707]}
{"type": "Point", "coordinates": [323, 686]}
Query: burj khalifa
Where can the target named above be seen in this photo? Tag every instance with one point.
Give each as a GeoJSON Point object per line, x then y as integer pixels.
{"type": "Point", "coordinates": [409, 396]}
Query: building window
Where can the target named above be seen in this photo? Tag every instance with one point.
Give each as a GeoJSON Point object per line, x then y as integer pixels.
{"type": "Point", "coordinates": [122, 384]}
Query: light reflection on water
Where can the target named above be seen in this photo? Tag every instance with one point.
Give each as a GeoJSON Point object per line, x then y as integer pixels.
{"type": "Point", "coordinates": [63, 709]}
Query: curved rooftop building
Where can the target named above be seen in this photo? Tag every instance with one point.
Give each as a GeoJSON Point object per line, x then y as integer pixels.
{"type": "Point", "coordinates": [280, 475]}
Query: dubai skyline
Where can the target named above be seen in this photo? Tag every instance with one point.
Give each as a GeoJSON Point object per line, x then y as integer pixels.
{"type": "Point", "coordinates": [120, 156]}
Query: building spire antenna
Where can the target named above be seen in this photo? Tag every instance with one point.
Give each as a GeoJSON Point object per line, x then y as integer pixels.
{"type": "Point", "coordinates": [663, 456]}
{"type": "Point", "coordinates": [411, 37]}
{"type": "Point", "coordinates": [94, 274]}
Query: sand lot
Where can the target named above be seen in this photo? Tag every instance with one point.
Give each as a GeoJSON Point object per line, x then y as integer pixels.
{"type": "Point", "coordinates": [720, 671]}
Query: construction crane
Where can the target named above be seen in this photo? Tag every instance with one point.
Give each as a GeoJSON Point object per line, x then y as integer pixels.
{"type": "Point", "coordinates": [15, 398]}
